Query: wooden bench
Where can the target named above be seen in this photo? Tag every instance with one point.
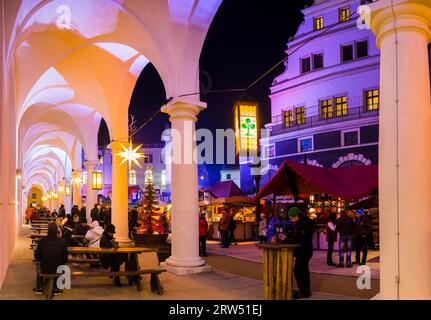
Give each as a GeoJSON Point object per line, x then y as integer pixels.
{"type": "Point", "coordinates": [155, 284]}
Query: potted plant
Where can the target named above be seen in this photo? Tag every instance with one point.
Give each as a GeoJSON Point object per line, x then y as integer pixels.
{"type": "Point", "coordinates": [151, 231]}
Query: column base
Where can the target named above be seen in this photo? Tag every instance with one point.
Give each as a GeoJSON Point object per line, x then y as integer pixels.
{"type": "Point", "coordinates": [183, 271]}
{"type": "Point", "coordinates": [376, 297]}
{"type": "Point", "coordinates": [121, 239]}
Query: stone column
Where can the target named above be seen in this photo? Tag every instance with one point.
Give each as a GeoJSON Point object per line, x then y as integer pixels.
{"type": "Point", "coordinates": [119, 194]}
{"type": "Point", "coordinates": [185, 257]}
{"type": "Point", "coordinates": [76, 189]}
{"type": "Point", "coordinates": [403, 33]}
{"type": "Point", "coordinates": [91, 198]}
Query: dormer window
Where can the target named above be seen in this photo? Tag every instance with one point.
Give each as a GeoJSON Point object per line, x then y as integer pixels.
{"type": "Point", "coordinates": [344, 14]}
{"type": "Point", "coordinates": [318, 23]}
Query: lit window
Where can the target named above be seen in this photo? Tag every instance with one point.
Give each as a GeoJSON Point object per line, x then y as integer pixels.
{"type": "Point", "coordinates": [341, 106]}
{"type": "Point", "coordinates": [300, 115]}
{"type": "Point", "coordinates": [132, 177]}
{"type": "Point", "coordinates": [326, 108]}
{"type": "Point", "coordinates": [270, 151]}
{"type": "Point", "coordinates": [305, 65]}
{"type": "Point", "coordinates": [318, 61]}
{"type": "Point", "coordinates": [344, 14]}
{"type": "Point", "coordinates": [306, 145]}
{"type": "Point", "coordinates": [148, 158]}
{"type": "Point", "coordinates": [372, 100]}
{"type": "Point", "coordinates": [318, 23]}
{"type": "Point", "coordinates": [361, 49]}
{"type": "Point", "coordinates": [163, 178]}
{"type": "Point", "coordinates": [351, 138]}
{"type": "Point", "coordinates": [288, 118]}
{"type": "Point", "coordinates": [347, 53]}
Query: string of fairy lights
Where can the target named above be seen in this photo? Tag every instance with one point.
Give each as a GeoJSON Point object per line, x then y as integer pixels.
{"type": "Point", "coordinates": [130, 154]}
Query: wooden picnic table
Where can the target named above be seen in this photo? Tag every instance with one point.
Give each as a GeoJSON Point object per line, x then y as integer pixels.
{"type": "Point", "coordinates": [133, 270]}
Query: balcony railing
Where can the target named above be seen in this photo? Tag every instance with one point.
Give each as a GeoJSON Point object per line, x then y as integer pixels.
{"type": "Point", "coordinates": [278, 126]}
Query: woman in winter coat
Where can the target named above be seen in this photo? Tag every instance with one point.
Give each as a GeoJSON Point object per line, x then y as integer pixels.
{"type": "Point", "coordinates": [263, 228]}
{"type": "Point", "coordinates": [203, 232]}
{"type": "Point", "coordinates": [94, 234]}
{"type": "Point", "coordinates": [331, 237]}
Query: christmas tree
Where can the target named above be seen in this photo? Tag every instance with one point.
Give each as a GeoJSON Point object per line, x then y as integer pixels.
{"type": "Point", "coordinates": [149, 218]}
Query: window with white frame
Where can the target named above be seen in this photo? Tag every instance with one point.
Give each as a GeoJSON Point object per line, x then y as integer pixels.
{"type": "Point", "coordinates": [305, 144]}
{"type": "Point", "coordinates": [132, 177]}
{"type": "Point", "coordinates": [269, 151]}
{"type": "Point", "coordinates": [350, 137]}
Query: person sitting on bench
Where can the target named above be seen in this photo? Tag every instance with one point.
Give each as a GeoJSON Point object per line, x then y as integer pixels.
{"type": "Point", "coordinates": [51, 253]}
{"type": "Point", "coordinates": [111, 260]}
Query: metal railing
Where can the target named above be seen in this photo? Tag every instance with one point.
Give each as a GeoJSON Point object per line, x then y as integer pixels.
{"type": "Point", "coordinates": [278, 125]}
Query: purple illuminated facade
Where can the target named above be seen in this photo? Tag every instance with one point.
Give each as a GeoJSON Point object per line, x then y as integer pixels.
{"type": "Point", "coordinates": [325, 105]}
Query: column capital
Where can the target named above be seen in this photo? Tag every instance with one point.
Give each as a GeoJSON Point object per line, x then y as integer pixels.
{"type": "Point", "coordinates": [183, 108]}
{"type": "Point", "coordinates": [117, 146]}
{"type": "Point", "coordinates": [75, 174]}
{"type": "Point", "coordinates": [90, 165]}
{"type": "Point", "coordinates": [401, 15]}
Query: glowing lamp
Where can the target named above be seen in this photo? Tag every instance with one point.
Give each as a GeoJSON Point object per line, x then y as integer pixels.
{"type": "Point", "coordinates": [246, 126]}
{"type": "Point", "coordinates": [55, 196]}
{"type": "Point", "coordinates": [97, 180]}
{"type": "Point", "coordinates": [67, 191]}
{"type": "Point", "coordinates": [61, 188]}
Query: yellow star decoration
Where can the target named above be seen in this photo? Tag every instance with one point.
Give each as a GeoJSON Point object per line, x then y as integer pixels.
{"type": "Point", "coordinates": [130, 155]}
{"type": "Point", "coordinates": [77, 180]}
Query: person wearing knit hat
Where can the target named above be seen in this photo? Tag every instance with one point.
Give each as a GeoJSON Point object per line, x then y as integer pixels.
{"type": "Point", "coordinates": [293, 212]}
{"type": "Point", "coordinates": [303, 235]}
{"type": "Point", "coordinates": [280, 228]}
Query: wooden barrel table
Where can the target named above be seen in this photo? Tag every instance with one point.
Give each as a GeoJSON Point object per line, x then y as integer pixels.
{"type": "Point", "coordinates": [278, 270]}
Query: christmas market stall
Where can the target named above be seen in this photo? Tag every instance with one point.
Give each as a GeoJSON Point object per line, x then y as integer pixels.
{"type": "Point", "coordinates": [228, 194]}
{"type": "Point", "coordinates": [321, 190]}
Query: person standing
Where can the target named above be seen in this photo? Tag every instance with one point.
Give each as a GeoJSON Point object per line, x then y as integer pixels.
{"type": "Point", "coordinates": [224, 228]}
{"type": "Point", "coordinates": [280, 227]}
{"type": "Point", "coordinates": [203, 233]}
{"type": "Point", "coordinates": [29, 213]}
{"type": "Point", "coordinates": [331, 237]}
{"type": "Point", "coordinates": [303, 235]}
{"type": "Point", "coordinates": [62, 211]}
{"type": "Point", "coordinates": [95, 213]}
{"type": "Point", "coordinates": [263, 223]}
{"type": "Point", "coordinates": [345, 227]}
{"type": "Point", "coordinates": [362, 231]}
{"type": "Point", "coordinates": [232, 227]}
{"type": "Point", "coordinates": [133, 222]}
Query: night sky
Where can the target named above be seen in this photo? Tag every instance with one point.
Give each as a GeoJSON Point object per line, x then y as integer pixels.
{"type": "Point", "coordinates": [246, 38]}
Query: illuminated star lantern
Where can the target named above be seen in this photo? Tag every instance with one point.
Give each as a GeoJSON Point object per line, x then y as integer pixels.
{"type": "Point", "coordinates": [130, 155]}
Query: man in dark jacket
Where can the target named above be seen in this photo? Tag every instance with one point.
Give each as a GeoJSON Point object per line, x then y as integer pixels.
{"type": "Point", "coordinates": [51, 253]}
{"type": "Point", "coordinates": [345, 227]}
{"type": "Point", "coordinates": [114, 261]}
{"type": "Point", "coordinates": [224, 228]}
{"type": "Point", "coordinates": [62, 211]}
{"type": "Point", "coordinates": [303, 235]}
{"type": "Point", "coordinates": [95, 213]}
{"type": "Point", "coordinates": [362, 231]}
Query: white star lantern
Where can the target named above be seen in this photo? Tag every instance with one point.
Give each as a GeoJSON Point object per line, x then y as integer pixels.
{"type": "Point", "coordinates": [130, 155]}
